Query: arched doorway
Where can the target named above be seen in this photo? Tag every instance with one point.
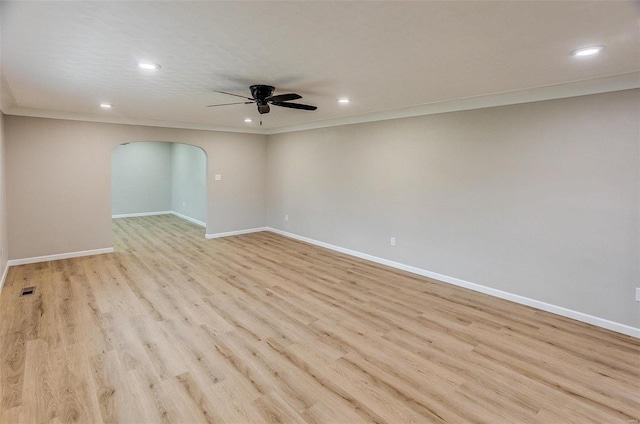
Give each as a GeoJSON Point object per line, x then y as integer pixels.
{"type": "Point", "coordinates": [158, 177]}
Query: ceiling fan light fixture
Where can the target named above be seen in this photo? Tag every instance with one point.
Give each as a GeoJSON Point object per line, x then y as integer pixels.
{"type": "Point", "coordinates": [148, 66]}
{"type": "Point", "coordinates": [587, 51]}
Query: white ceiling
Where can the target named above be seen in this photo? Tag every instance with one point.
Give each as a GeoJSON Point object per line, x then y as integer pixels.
{"type": "Point", "coordinates": [61, 59]}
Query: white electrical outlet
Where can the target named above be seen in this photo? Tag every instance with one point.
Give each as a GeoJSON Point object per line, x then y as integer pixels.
{"type": "Point", "coordinates": [637, 294]}
{"type": "Point", "coordinates": [217, 177]}
{"type": "Point", "coordinates": [393, 241]}
{"type": "Point", "coordinates": [286, 217]}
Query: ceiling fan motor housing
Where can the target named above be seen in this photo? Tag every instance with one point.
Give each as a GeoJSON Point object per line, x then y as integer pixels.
{"type": "Point", "coordinates": [261, 92]}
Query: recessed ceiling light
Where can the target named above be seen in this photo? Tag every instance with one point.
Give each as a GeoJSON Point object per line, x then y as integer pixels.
{"type": "Point", "coordinates": [587, 51]}
{"type": "Point", "coordinates": [105, 106]}
{"type": "Point", "coordinates": [148, 66]}
{"type": "Point", "coordinates": [343, 101]}
{"type": "Point", "coordinates": [247, 120]}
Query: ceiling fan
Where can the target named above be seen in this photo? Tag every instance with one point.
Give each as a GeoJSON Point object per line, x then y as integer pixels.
{"type": "Point", "coordinates": [262, 96]}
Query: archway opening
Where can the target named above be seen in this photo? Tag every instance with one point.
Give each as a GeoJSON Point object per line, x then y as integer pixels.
{"type": "Point", "coordinates": [157, 178]}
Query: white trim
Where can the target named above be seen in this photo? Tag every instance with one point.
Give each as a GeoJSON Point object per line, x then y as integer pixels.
{"type": "Point", "coordinates": [558, 310]}
{"type": "Point", "coordinates": [134, 215]}
{"type": "Point", "coordinates": [235, 233]}
{"type": "Point", "coordinates": [596, 85]}
{"type": "Point", "coordinates": [188, 218]}
{"type": "Point", "coordinates": [58, 256]}
{"type": "Point", "coordinates": [626, 81]}
{"type": "Point", "coordinates": [4, 275]}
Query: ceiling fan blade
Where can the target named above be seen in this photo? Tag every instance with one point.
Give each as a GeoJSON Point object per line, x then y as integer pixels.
{"type": "Point", "coordinates": [283, 98]}
{"type": "Point", "coordinates": [263, 108]}
{"type": "Point", "coordinates": [296, 106]}
{"type": "Point", "coordinates": [229, 104]}
{"type": "Point", "coordinates": [231, 94]}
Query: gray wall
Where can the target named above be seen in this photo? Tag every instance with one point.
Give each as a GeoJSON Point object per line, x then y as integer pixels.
{"type": "Point", "coordinates": [59, 181]}
{"type": "Point", "coordinates": [4, 245]}
{"type": "Point", "coordinates": [141, 178]}
{"type": "Point", "coordinates": [189, 181]}
{"type": "Point", "coordinates": [4, 238]}
{"type": "Point", "coordinates": [538, 199]}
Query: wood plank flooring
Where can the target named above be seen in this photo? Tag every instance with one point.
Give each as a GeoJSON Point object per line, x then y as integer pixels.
{"type": "Point", "coordinates": [258, 328]}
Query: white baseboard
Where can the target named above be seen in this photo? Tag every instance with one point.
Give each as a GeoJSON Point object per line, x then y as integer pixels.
{"type": "Point", "coordinates": [558, 310]}
{"type": "Point", "coordinates": [188, 218]}
{"type": "Point", "coordinates": [178, 214]}
{"type": "Point", "coordinates": [134, 215]}
{"type": "Point", "coordinates": [58, 256]}
{"type": "Point", "coordinates": [235, 233]}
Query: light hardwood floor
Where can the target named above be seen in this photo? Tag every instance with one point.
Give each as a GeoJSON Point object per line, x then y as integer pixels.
{"type": "Point", "coordinates": [260, 328]}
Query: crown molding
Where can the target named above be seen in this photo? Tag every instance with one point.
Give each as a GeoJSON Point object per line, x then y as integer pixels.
{"type": "Point", "coordinates": [606, 84]}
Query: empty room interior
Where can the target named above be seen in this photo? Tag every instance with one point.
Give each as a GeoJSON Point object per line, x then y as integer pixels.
{"type": "Point", "coordinates": [320, 212]}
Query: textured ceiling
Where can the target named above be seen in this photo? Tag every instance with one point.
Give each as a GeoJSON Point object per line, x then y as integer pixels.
{"type": "Point", "coordinates": [61, 59]}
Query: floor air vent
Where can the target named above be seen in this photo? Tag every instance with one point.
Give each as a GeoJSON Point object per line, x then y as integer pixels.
{"type": "Point", "coordinates": [27, 291]}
